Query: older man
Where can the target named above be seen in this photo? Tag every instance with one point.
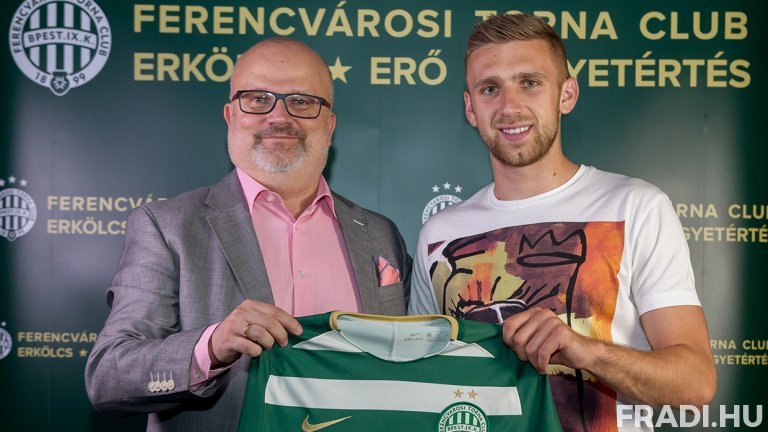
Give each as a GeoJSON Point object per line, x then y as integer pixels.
{"type": "Point", "coordinates": [214, 276]}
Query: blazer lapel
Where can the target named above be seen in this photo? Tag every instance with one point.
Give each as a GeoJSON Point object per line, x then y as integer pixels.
{"type": "Point", "coordinates": [354, 228]}
{"type": "Point", "coordinates": [231, 223]}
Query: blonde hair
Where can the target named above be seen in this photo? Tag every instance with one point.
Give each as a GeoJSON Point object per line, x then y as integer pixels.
{"type": "Point", "coordinates": [500, 29]}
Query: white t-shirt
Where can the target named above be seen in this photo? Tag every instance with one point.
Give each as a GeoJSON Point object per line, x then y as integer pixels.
{"type": "Point", "coordinates": [600, 250]}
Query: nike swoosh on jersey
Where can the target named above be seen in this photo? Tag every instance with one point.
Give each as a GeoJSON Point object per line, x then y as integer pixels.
{"type": "Point", "coordinates": [306, 426]}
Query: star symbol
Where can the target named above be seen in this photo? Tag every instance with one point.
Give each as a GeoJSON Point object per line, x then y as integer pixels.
{"type": "Point", "coordinates": [435, 188]}
{"type": "Point", "coordinates": [339, 71]}
{"type": "Point", "coordinates": [23, 182]}
{"type": "Point", "coordinates": [83, 353]}
{"type": "Point", "coordinates": [457, 189]}
{"type": "Point", "coordinates": [11, 179]}
{"type": "Point", "coordinates": [472, 394]}
{"type": "Point", "coordinates": [458, 393]}
{"type": "Point", "coordinates": [446, 185]}
{"type": "Point", "coordinates": [2, 183]}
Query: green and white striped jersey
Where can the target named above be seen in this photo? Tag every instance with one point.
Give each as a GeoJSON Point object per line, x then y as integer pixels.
{"type": "Point", "coordinates": [357, 372]}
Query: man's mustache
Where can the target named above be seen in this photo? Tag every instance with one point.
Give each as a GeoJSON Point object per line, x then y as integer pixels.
{"type": "Point", "coordinates": [507, 119]}
{"type": "Point", "coordinates": [281, 131]}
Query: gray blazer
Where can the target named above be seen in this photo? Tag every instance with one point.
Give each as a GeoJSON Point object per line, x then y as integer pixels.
{"type": "Point", "coordinates": [187, 263]}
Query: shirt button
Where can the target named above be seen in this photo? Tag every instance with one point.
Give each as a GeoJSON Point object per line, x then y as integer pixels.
{"type": "Point", "coordinates": [270, 197]}
{"type": "Point", "coordinates": [301, 272]}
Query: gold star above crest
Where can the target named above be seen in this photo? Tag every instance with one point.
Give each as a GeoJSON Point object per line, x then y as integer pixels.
{"type": "Point", "coordinates": [472, 394]}
{"type": "Point", "coordinates": [458, 393]}
{"type": "Point", "coordinates": [339, 71]}
{"type": "Point", "coordinates": [83, 353]}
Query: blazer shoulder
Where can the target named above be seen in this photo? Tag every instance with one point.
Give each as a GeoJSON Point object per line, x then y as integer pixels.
{"type": "Point", "coordinates": [183, 202]}
{"type": "Point", "coordinates": [225, 194]}
{"type": "Point", "coordinates": [370, 215]}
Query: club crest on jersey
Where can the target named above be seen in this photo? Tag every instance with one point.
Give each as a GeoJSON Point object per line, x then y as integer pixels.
{"type": "Point", "coordinates": [18, 211]}
{"type": "Point", "coordinates": [60, 44]}
{"type": "Point", "coordinates": [462, 417]}
{"type": "Point", "coordinates": [444, 199]}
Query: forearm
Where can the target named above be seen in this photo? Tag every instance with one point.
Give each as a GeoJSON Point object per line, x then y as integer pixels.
{"type": "Point", "coordinates": [675, 375]}
{"type": "Point", "coordinates": [678, 371]}
{"type": "Point", "coordinates": [120, 369]}
{"type": "Point", "coordinates": [141, 337]}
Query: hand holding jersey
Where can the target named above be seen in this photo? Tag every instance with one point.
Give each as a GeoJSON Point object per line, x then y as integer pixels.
{"type": "Point", "coordinates": [674, 333]}
{"type": "Point", "coordinates": [250, 329]}
{"type": "Point", "coordinates": [540, 337]}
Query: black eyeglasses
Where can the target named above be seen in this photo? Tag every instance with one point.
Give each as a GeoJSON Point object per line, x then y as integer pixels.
{"type": "Point", "coordinates": [263, 102]}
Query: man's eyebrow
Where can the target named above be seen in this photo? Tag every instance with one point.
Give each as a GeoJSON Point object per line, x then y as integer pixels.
{"type": "Point", "coordinates": [487, 80]}
{"type": "Point", "coordinates": [495, 79]}
{"type": "Point", "coordinates": [530, 75]}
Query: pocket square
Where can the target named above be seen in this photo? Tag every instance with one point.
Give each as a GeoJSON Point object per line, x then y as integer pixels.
{"type": "Point", "coordinates": [388, 274]}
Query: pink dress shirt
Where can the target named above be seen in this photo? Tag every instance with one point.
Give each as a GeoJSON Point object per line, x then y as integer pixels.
{"type": "Point", "coordinates": [306, 259]}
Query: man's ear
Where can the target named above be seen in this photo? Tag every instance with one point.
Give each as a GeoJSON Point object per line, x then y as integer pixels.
{"type": "Point", "coordinates": [569, 94]}
{"type": "Point", "coordinates": [468, 111]}
{"type": "Point", "coordinates": [228, 113]}
{"type": "Point", "coordinates": [331, 123]}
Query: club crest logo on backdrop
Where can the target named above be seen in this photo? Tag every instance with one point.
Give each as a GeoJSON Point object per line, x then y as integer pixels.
{"type": "Point", "coordinates": [6, 343]}
{"type": "Point", "coordinates": [445, 197]}
{"type": "Point", "coordinates": [18, 211]}
{"type": "Point", "coordinates": [60, 44]}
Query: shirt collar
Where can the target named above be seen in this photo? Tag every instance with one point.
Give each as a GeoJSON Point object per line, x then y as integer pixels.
{"type": "Point", "coordinates": [252, 189]}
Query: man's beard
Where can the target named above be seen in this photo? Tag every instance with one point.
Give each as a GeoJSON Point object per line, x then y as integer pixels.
{"type": "Point", "coordinates": [541, 139]}
{"type": "Point", "coordinates": [280, 157]}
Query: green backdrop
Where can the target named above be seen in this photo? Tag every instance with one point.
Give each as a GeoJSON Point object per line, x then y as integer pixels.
{"type": "Point", "coordinates": [671, 92]}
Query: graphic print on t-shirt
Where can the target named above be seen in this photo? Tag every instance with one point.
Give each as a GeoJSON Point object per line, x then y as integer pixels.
{"type": "Point", "coordinates": [570, 268]}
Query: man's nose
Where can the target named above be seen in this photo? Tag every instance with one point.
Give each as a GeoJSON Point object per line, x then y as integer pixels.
{"type": "Point", "coordinates": [279, 113]}
{"type": "Point", "coordinates": [511, 102]}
